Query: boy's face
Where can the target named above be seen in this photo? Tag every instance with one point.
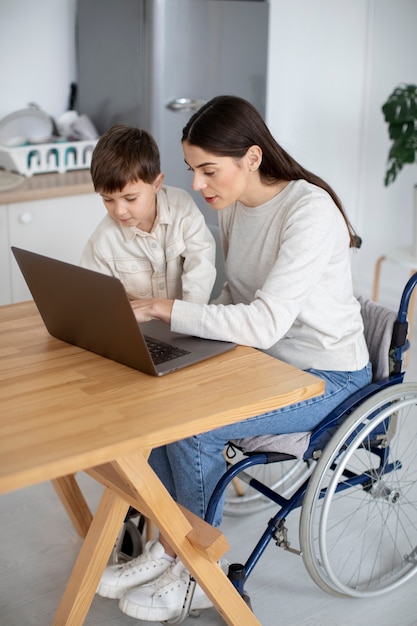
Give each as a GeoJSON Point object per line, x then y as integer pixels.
{"type": "Point", "coordinates": [135, 204]}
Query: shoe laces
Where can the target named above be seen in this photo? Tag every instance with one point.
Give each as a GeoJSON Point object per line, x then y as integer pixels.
{"type": "Point", "coordinates": [171, 577]}
{"type": "Point", "coordinates": [141, 561]}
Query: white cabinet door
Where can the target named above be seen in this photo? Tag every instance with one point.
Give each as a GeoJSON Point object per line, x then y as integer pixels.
{"type": "Point", "coordinates": [56, 227]}
{"type": "Point", "coordinates": [5, 284]}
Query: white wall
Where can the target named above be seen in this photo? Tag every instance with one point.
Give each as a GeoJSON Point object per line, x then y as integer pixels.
{"type": "Point", "coordinates": [37, 54]}
{"type": "Point", "coordinates": [331, 67]}
{"type": "Point", "coordinates": [317, 73]}
{"type": "Point", "coordinates": [387, 212]}
{"type": "Point", "coordinates": [332, 64]}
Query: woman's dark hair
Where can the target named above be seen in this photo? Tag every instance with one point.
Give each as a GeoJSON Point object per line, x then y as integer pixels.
{"type": "Point", "coordinates": [228, 126]}
{"type": "Point", "coordinates": [124, 154]}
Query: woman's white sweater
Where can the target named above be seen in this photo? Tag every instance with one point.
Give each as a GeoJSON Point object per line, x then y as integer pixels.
{"type": "Point", "coordinates": [289, 285]}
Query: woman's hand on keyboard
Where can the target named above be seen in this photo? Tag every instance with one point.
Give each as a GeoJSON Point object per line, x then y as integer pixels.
{"type": "Point", "coordinates": [152, 308]}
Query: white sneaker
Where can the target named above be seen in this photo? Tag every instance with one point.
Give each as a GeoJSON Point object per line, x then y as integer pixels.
{"type": "Point", "coordinates": [163, 598]}
{"type": "Point", "coordinates": [117, 579]}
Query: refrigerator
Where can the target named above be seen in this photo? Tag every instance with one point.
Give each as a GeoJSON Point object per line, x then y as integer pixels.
{"type": "Point", "coordinates": [152, 63]}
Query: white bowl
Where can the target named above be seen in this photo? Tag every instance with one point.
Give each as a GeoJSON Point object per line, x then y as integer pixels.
{"type": "Point", "coordinates": [25, 125]}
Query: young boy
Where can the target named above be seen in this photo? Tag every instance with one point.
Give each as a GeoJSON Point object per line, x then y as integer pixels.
{"type": "Point", "coordinates": [154, 238]}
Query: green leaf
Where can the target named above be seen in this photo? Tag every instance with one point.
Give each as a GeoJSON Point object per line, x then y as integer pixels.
{"type": "Point", "coordinates": [391, 174]}
{"type": "Point", "coordinates": [413, 107]}
{"type": "Point", "coordinates": [389, 110]}
{"type": "Point", "coordinates": [408, 155]}
{"type": "Point", "coordinates": [395, 131]}
{"type": "Point", "coordinates": [400, 113]}
{"type": "Point", "coordinates": [408, 130]}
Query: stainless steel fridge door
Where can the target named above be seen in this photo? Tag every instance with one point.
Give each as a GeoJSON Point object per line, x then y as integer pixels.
{"type": "Point", "coordinates": [111, 41]}
{"type": "Point", "coordinates": [202, 48]}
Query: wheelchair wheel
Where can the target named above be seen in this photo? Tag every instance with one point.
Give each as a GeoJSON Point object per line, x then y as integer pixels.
{"type": "Point", "coordinates": [358, 525]}
{"type": "Point", "coordinates": [283, 477]}
{"type": "Point", "coordinates": [129, 543]}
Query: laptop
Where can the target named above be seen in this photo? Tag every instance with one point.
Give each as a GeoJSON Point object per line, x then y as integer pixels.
{"type": "Point", "coordinates": [92, 311]}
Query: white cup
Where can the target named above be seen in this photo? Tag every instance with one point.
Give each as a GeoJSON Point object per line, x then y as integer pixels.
{"type": "Point", "coordinates": [83, 128]}
{"type": "Point", "coordinates": [65, 121]}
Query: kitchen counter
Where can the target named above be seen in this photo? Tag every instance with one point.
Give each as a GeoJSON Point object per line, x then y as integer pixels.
{"type": "Point", "coordinates": [53, 214]}
{"type": "Point", "coordinates": [41, 186]}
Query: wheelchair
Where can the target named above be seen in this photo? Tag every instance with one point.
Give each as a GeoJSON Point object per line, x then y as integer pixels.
{"type": "Point", "coordinates": [355, 482]}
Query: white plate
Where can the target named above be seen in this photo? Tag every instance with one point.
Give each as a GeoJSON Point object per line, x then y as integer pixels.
{"type": "Point", "coordinates": [25, 125]}
{"type": "Point", "coordinates": [9, 180]}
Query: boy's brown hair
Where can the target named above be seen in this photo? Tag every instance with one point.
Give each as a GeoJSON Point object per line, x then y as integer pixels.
{"type": "Point", "coordinates": [124, 154]}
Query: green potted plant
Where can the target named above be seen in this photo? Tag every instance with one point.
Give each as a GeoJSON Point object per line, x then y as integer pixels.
{"type": "Point", "coordinates": [400, 113]}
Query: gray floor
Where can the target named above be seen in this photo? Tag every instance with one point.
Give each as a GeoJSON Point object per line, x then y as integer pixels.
{"type": "Point", "coordinates": [39, 546]}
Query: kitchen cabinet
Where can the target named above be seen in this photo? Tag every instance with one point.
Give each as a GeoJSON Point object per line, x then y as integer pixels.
{"type": "Point", "coordinates": [58, 227]}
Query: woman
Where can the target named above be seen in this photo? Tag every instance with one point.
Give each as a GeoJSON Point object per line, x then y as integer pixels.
{"type": "Point", "coordinates": [286, 243]}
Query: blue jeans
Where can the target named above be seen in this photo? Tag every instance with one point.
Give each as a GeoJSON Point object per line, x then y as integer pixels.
{"type": "Point", "coordinates": [191, 468]}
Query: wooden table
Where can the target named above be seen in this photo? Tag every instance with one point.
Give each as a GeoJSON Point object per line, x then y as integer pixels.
{"type": "Point", "coordinates": [64, 410]}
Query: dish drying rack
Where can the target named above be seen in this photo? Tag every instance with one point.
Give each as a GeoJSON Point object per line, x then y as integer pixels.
{"type": "Point", "coordinates": [48, 157]}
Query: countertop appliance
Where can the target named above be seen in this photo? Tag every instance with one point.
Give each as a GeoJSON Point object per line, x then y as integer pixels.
{"type": "Point", "coordinates": [152, 63]}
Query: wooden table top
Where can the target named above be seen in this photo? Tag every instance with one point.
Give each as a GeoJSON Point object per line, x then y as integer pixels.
{"type": "Point", "coordinates": [64, 409]}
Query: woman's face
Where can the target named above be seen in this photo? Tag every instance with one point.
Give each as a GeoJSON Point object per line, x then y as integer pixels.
{"type": "Point", "coordinates": [221, 180]}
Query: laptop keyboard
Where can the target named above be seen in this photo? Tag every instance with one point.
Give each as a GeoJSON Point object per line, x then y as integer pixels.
{"type": "Point", "coordinates": [163, 352]}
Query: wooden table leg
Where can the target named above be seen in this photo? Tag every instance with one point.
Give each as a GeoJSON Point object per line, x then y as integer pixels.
{"type": "Point", "coordinates": [74, 503]}
{"type": "Point", "coordinates": [377, 275]}
{"type": "Point", "coordinates": [198, 545]}
{"type": "Point", "coordinates": [91, 561]}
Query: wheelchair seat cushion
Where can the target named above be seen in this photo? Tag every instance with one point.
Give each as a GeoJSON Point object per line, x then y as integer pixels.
{"type": "Point", "coordinates": [294, 444]}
